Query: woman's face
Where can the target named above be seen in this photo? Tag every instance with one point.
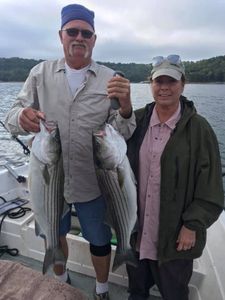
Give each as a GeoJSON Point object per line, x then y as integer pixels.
{"type": "Point", "coordinates": [166, 91]}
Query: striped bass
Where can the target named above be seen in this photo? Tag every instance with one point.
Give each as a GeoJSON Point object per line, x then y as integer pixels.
{"type": "Point", "coordinates": [46, 190]}
{"type": "Point", "coordinates": [118, 186]}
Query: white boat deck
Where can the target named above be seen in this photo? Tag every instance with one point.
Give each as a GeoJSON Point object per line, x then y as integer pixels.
{"type": "Point", "coordinates": [207, 282]}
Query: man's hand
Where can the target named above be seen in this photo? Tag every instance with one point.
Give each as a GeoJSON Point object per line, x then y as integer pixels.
{"type": "Point", "coordinates": [186, 239]}
{"type": "Point", "coordinates": [119, 87]}
{"type": "Point", "coordinates": [29, 119]}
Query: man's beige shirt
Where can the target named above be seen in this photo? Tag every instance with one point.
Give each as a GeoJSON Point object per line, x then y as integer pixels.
{"type": "Point", "coordinates": [47, 90]}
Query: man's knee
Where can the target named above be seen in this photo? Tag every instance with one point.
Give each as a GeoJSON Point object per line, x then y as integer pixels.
{"type": "Point", "coordinates": [100, 250]}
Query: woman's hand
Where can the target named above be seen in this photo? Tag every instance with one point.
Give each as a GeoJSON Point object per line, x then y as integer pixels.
{"type": "Point", "coordinates": [186, 239]}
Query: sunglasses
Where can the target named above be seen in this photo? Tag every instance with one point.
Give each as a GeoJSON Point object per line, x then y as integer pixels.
{"type": "Point", "coordinates": [74, 32]}
{"type": "Point", "coordinates": [173, 59]}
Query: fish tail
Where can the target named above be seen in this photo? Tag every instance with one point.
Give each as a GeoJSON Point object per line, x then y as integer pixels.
{"type": "Point", "coordinates": [127, 257]}
{"type": "Point", "coordinates": [51, 257]}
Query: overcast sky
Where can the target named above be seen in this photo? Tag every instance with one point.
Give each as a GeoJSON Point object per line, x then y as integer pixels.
{"type": "Point", "coordinates": [127, 30]}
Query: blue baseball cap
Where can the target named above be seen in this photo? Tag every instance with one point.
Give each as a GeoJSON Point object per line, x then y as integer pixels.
{"type": "Point", "coordinates": [77, 12]}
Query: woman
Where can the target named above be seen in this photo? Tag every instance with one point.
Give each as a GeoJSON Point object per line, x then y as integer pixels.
{"type": "Point", "coordinates": [175, 157]}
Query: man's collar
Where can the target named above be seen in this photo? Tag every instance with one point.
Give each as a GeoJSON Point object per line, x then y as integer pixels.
{"type": "Point", "coordinates": [61, 66]}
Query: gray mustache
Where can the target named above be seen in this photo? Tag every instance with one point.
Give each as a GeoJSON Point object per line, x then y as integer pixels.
{"type": "Point", "coordinates": [78, 44]}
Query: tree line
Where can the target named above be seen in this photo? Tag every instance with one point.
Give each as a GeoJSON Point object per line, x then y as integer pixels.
{"type": "Point", "coordinates": [207, 70]}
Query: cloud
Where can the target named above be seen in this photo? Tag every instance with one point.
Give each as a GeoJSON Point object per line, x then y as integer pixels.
{"type": "Point", "coordinates": [128, 31]}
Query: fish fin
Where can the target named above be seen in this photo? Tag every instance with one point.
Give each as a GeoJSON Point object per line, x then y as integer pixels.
{"type": "Point", "coordinates": [37, 228]}
{"type": "Point", "coordinates": [120, 174]}
{"type": "Point", "coordinates": [38, 231]}
{"type": "Point", "coordinates": [127, 257]}
{"type": "Point", "coordinates": [65, 208]}
{"type": "Point", "coordinates": [46, 175]}
{"type": "Point", "coordinates": [51, 257]}
{"type": "Point", "coordinates": [133, 177]}
{"type": "Point", "coordinates": [123, 169]}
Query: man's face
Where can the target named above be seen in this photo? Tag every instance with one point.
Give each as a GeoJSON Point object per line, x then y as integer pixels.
{"type": "Point", "coordinates": [77, 48]}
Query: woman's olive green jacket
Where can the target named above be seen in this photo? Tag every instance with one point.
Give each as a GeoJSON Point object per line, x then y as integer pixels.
{"type": "Point", "coordinates": [191, 191]}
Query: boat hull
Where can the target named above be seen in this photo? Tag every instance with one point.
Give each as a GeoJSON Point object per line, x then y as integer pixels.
{"type": "Point", "coordinates": [208, 276]}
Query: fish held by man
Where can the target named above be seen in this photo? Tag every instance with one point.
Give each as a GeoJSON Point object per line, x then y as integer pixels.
{"type": "Point", "coordinates": [118, 186]}
{"type": "Point", "coordinates": [46, 190]}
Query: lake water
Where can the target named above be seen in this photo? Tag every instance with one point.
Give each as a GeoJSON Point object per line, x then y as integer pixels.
{"type": "Point", "coordinates": [209, 100]}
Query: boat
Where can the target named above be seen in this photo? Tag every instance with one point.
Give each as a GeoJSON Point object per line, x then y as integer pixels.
{"type": "Point", "coordinates": [208, 279]}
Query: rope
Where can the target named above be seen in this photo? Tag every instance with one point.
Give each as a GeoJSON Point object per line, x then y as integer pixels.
{"type": "Point", "coordinates": [12, 214]}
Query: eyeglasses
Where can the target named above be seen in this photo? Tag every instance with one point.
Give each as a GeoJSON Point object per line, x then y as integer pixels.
{"type": "Point", "coordinates": [86, 34]}
{"type": "Point", "coordinates": [173, 59]}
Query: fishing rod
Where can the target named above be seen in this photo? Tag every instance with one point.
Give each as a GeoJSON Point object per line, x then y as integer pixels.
{"type": "Point", "coordinates": [26, 150]}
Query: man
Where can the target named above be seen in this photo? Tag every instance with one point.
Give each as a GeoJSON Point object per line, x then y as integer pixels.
{"type": "Point", "coordinates": [75, 92]}
{"type": "Point", "coordinates": [175, 156]}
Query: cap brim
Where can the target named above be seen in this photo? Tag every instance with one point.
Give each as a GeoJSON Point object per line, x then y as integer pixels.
{"type": "Point", "coordinates": [167, 72]}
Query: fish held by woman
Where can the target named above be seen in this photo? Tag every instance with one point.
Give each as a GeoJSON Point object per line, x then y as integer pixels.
{"type": "Point", "coordinates": [118, 186]}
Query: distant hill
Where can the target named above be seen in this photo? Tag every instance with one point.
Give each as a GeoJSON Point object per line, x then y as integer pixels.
{"type": "Point", "coordinates": [207, 70]}
{"type": "Point", "coordinates": [16, 69]}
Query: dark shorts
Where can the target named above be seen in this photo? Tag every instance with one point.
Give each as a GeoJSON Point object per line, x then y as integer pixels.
{"type": "Point", "coordinates": [91, 216]}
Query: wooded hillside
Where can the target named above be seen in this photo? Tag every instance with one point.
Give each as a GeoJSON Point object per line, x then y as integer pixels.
{"type": "Point", "coordinates": [207, 70]}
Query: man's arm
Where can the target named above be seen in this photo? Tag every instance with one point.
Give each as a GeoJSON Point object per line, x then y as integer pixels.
{"type": "Point", "coordinates": [122, 119]}
{"type": "Point", "coordinates": [22, 118]}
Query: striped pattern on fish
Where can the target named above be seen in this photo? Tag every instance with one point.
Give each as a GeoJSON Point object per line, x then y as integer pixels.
{"type": "Point", "coordinates": [118, 186]}
{"type": "Point", "coordinates": [46, 190]}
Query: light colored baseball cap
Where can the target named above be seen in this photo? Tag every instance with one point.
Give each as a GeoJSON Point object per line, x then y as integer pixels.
{"type": "Point", "coordinates": [171, 66]}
